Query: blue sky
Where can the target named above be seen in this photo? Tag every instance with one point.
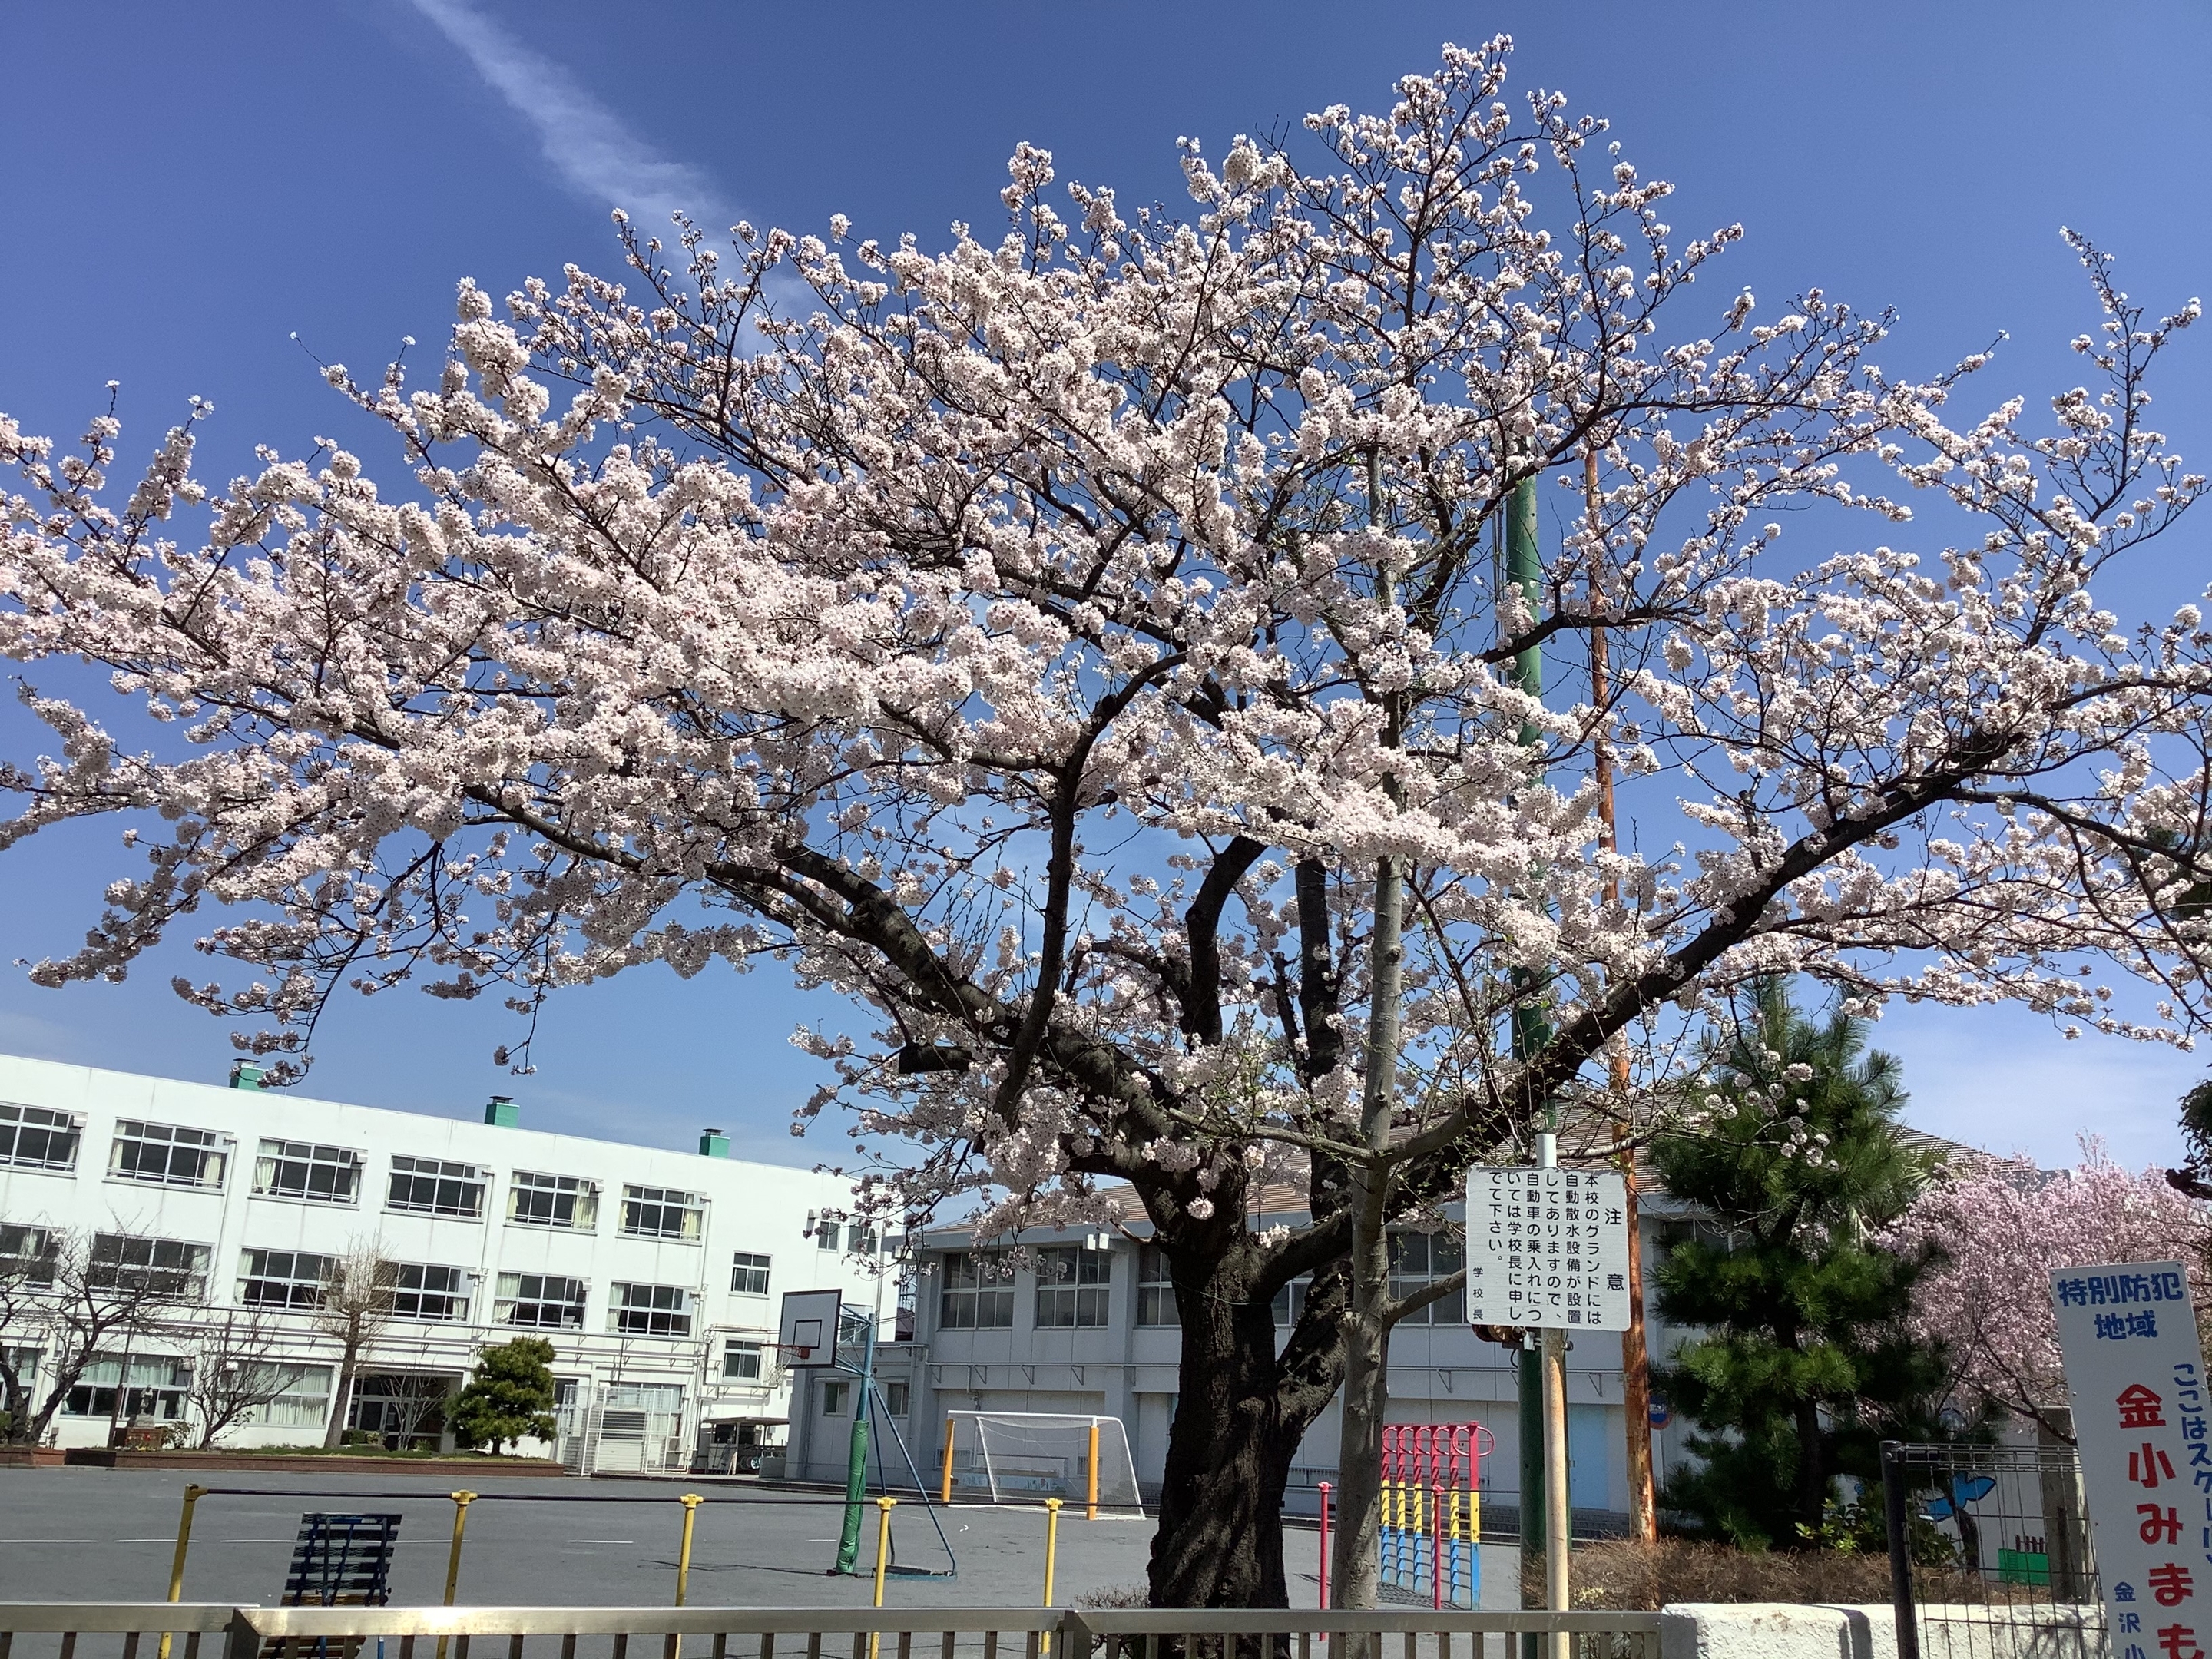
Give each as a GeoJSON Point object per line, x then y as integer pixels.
{"type": "Point", "coordinates": [190, 186]}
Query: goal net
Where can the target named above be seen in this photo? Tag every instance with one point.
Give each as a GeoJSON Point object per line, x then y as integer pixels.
{"type": "Point", "coordinates": [1026, 1457]}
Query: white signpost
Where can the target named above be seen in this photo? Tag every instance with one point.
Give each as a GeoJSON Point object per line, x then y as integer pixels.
{"type": "Point", "coordinates": [2128, 1335]}
{"type": "Point", "coordinates": [1548, 1248]}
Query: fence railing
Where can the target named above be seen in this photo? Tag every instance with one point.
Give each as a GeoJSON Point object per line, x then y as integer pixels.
{"type": "Point", "coordinates": [399, 1633]}
{"type": "Point", "coordinates": [1990, 1553]}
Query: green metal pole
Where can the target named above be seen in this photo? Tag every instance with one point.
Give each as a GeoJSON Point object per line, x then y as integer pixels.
{"type": "Point", "coordinates": [1531, 1032]}
{"type": "Point", "coordinates": [856, 1463]}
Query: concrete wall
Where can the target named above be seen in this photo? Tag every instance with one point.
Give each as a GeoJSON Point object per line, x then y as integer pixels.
{"type": "Point", "coordinates": [1785, 1629]}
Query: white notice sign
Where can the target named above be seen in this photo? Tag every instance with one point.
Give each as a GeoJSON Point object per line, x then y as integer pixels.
{"type": "Point", "coordinates": [2128, 1338]}
{"type": "Point", "coordinates": [1547, 1248]}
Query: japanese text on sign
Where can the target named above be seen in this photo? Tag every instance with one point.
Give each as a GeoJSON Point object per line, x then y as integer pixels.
{"type": "Point", "coordinates": [2136, 1374]}
{"type": "Point", "coordinates": [1547, 1248]}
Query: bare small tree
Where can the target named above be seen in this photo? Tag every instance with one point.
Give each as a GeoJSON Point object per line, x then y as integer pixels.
{"type": "Point", "coordinates": [26, 1288]}
{"type": "Point", "coordinates": [354, 1309]}
{"type": "Point", "coordinates": [72, 1303]}
{"type": "Point", "coordinates": [236, 1370]}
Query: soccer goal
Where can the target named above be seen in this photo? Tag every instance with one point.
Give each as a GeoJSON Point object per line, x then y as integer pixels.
{"type": "Point", "coordinates": [1026, 1457]}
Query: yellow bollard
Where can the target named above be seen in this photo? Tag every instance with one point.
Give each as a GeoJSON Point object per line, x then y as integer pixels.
{"type": "Point", "coordinates": [1090, 1506]}
{"type": "Point", "coordinates": [461, 1502]}
{"type": "Point", "coordinates": [690, 1500]}
{"type": "Point", "coordinates": [947, 1497]}
{"type": "Point", "coordinates": [1051, 1558]}
{"type": "Point", "coordinates": [884, 1508]}
{"type": "Point", "coordinates": [192, 1496]}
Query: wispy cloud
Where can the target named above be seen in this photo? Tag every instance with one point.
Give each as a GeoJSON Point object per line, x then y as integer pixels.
{"type": "Point", "coordinates": [596, 155]}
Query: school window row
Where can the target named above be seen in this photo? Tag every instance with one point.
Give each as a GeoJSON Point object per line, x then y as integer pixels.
{"type": "Point", "coordinates": [299, 1281]}
{"type": "Point", "coordinates": [1073, 1290]}
{"type": "Point", "coordinates": [175, 1156]}
{"type": "Point", "coordinates": [1416, 1260]}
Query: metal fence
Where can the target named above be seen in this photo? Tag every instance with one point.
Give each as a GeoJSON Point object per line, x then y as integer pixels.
{"type": "Point", "coordinates": [146, 1630]}
{"type": "Point", "coordinates": [1989, 1555]}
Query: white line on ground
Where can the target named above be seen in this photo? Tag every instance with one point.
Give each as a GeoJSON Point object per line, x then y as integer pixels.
{"type": "Point", "coordinates": [602, 1540]}
{"type": "Point", "coordinates": [49, 1540]}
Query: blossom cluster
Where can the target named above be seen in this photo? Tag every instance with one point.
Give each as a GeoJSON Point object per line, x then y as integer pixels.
{"type": "Point", "coordinates": [1039, 641]}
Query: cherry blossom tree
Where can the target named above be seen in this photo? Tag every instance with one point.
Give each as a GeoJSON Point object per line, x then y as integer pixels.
{"type": "Point", "coordinates": [1087, 650]}
{"type": "Point", "coordinates": [1998, 1229]}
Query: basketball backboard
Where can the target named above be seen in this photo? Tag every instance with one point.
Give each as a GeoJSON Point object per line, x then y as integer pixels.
{"type": "Point", "coordinates": [808, 1331]}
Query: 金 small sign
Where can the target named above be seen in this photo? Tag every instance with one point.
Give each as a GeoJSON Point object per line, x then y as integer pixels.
{"type": "Point", "coordinates": [1547, 1248]}
{"type": "Point", "coordinates": [2128, 1334]}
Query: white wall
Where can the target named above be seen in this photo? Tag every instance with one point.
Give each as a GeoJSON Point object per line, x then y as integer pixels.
{"type": "Point", "coordinates": [751, 1207]}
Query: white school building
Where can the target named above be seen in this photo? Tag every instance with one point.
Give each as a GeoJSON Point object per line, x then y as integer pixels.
{"type": "Point", "coordinates": [655, 1275]}
{"type": "Point", "coordinates": [1082, 1323]}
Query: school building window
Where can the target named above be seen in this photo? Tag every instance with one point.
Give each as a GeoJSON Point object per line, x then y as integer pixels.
{"type": "Point", "coordinates": [295, 1168]}
{"type": "Point", "coordinates": [165, 1155]}
{"type": "Point", "coordinates": [1074, 1285]}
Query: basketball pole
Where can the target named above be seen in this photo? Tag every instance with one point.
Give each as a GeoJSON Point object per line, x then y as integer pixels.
{"type": "Point", "coordinates": [856, 1457]}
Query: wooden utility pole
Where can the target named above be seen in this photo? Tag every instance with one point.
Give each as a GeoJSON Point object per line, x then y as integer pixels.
{"type": "Point", "coordinates": [1635, 1359]}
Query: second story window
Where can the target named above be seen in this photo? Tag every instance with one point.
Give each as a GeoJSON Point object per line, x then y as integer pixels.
{"type": "Point", "coordinates": [165, 1266]}
{"type": "Point", "coordinates": [978, 1293]}
{"type": "Point", "coordinates": [33, 1138]}
{"type": "Point", "coordinates": [551, 1201]}
{"type": "Point", "coordinates": [649, 1309]}
{"type": "Point", "coordinates": [1156, 1296]}
{"type": "Point", "coordinates": [421, 1292]}
{"type": "Point", "coordinates": [662, 1213]}
{"type": "Point", "coordinates": [1073, 1285]}
{"type": "Point", "coordinates": [748, 1274]}
{"type": "Point", "coordinates": [296, 1169]}
{"type": "Point", "coordinates": [544, 1300]}
{"type": "Point", "coordinates": [32, 1252]}
{"type": "Point", "coordinates": [1418, 1259]}
{"type": "Point", "coordinates": [168, 1156]}
{"type": "Point", "coordinates": [281, 1279]}
{"type": "Point", "coordinates": [741, 1361]}
{"type": "Point", "coordinates": [1291, 1301]}
{"type": "Point", "coordinates": [429, 1186]}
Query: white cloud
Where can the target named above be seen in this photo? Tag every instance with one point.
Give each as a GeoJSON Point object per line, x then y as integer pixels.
{"type": "Point", "coordinates": [596, 154]}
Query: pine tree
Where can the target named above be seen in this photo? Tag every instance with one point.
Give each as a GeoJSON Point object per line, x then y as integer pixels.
{"type": "Point", "coordinates": [1805, 1361]}
{"type": "Point", "coordinates": [510, 1396]}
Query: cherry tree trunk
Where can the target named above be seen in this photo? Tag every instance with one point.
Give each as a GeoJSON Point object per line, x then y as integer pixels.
{"type": "Point", "coordinates": [1356, 1569]}
{"type": "Point", "coordinates": [1220, 1537]}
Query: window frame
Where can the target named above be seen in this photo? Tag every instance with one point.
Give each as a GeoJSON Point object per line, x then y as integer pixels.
{"type": "Point", "coordinates": [19, 1120]}
{"type": "Point", "coordinates": [626, 1316]}
{"type": "Point", "coordinates": [504, 1302]}
{"type": "Point", "coordinates": [581, 1192]}
{"type": "Point", "coordinates": [1407, 1277]}
{"type": "Point", "coordinates": [39, 1248]}
{"type": "Point", "coordinates": [465, 1178]}
{"type": "Point", "coordinates": [1156, 1289]}
{"type": "Point", "coordinates": [742, 1348]}
{"type": "Point", "coordinates": [744, 1263]}
{"type": "Point", "coordinates": [193, 1264]}
{"type": "Point", "coordinates": [208, 1145]}
{"type": "Point", "coordinates": [688, 1208]}
{"type": "Point", "coordinates": [411, 1300]}
{"type": "Point", "coordinates": [294, 1302]}
{"type": "Point", "coordinates": [1084, 1297]}
{"type": "Point", "coordinates": [344, 1158]}
{"type": "Point", "coordinates": [966, 1280]}
{"type": "Point", "coordinates": [301, 1415]}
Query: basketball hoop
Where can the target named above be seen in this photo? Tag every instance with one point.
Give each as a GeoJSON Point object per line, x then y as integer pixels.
{"type": "Point", "coordinates": [806, 1335]}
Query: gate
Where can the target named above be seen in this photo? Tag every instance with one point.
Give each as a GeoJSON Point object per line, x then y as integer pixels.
{"type": "Point", "coordinates": [1989, 1553]}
